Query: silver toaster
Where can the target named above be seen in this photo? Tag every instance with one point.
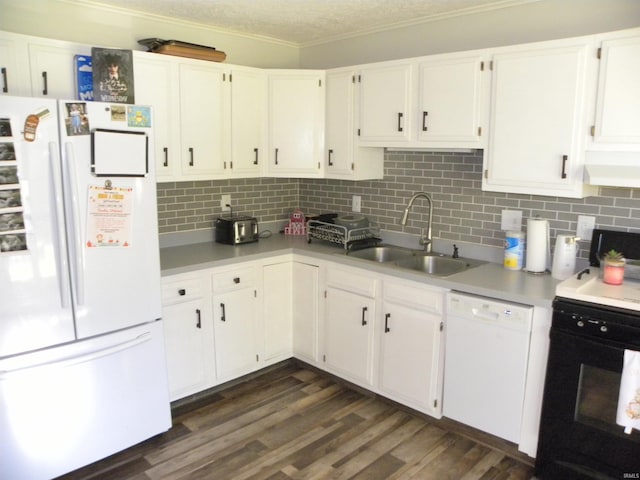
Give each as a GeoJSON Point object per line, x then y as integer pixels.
{"type": "Point", "coordinates": [236, 229]}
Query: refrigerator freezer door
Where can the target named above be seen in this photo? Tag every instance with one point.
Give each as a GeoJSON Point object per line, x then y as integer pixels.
{"type": "Point", "coordinates": [66, 407]}
{"type": "Point", "coordinates": [35, 293]}
{"type": "Point", "coordinates": [113, 230]}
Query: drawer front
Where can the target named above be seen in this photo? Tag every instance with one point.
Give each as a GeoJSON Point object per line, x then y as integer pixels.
{"type": "Point", "coordinates": [240, 277]}
{"type": "Point", "coordinates": [352, 281]}
{"type": "Point", "coordinates": [414, 295]}
{"type": "Point", "coordinates": [182, 290]}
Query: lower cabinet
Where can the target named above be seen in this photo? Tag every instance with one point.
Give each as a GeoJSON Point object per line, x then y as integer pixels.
{"type": "Point", "coordinates": [411, 354]}
{"type": "Point", "coordinates": [306, 311]}
{"type": "Point", "coordinates": [235, 300]}
{"type": "Point", "coordinates": [277, 310]}
{"type": "Point", "coordinates": [188, 332]}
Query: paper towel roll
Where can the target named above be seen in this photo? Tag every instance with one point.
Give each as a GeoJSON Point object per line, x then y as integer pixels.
{"type": "Point", "coordinates": [537, 245]}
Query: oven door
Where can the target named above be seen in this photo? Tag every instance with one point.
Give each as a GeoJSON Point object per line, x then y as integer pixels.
{"type": "Point", "coordinates": [579, 437]}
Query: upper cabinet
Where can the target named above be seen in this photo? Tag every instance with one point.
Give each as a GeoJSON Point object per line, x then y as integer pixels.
{"type": "Point", "coordinates": [452, 98]}
{"type": "Point", "coordinates": [344, 159]}
{"type": "Point", "coordinates": [385, 103]}
{"type": "Point", "coordinates": [14, 71]}
{"type": "Point", "coordinates": [537, 132]}
{"type": "Point", "coordinates": [296, 123]}
{"type": "Point", "coordinates": [52, 68]}
{"type": "Point", "coordinates": [617, 118]}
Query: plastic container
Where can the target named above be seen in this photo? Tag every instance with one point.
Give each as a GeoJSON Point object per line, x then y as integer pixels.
{"type": "Point", "coordinates": [514, 250]}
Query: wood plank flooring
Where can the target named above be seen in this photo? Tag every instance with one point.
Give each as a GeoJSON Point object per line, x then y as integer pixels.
{"type": "Point", "coordinates": [294, 422]}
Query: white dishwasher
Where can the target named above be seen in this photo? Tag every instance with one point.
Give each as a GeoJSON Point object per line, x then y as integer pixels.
{"type": "Point", "coordinates": [486, 352]}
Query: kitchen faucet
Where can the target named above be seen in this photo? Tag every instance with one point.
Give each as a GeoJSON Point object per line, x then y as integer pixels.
{"type": "Point", "coordinates": [424, 239]}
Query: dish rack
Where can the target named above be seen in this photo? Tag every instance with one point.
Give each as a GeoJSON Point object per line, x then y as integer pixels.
{"type": "Point", "coordinates": [346, 237]}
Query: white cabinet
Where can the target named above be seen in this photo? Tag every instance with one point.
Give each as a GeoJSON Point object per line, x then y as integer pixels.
{"type": "Point", "coordinates": [537, 129]}
{"type": "Point", "coordinates": [343, 158]}
{"type": "Point", "coordinates": [248, 121]}
{"type": "Point", "coordinates": [14, 69]}
{"type": "Point", "coordinates": [159, 75]}
{"type": "Point", "coordinates": [617, 122]}
{"type": "Point", "coordinates": [52, 68]}
{"type": "Point", "coordinates": [203, 111]}
{"type": "Point", "coordinates": [234, 307]}
{"type": "Point", "coordinates": [188, 334]}
{"type": "Point", "coordinates": [452, 100]}
{"type": "Point", "coordinates": [277, 310]}
{"type": "Point", "coordinates": [385, 102]}
{"type": "Point", "coordinates": [349, 322]}
{"type": "Point", "coordinates": [191, 108]}
{"type": "Point", "coordinates": [306, 311]}
{"type": "Point", "coordinates": [296, 123]}
{"type": "Point", "coordinates": [411, 346]}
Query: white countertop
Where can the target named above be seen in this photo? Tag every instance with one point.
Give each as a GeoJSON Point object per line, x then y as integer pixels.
{"type": "Point", "coordinates": [490, 280]}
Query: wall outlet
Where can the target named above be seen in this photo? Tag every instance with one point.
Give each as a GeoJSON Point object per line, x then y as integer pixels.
{"type": "Point", "coordinates": [224, 201]}
{"type": "Point", "coordinates": [585, 227]}
{"type": "Point", "coordinates": [356, 203]}
{"type": "Point", "coordinates": [511, 220]}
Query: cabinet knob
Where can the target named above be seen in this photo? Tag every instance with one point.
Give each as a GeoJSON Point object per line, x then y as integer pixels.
{"type": "Point", "coordinates": [236, 280]}
{"type": "Point", "coordinates": [182, 292]}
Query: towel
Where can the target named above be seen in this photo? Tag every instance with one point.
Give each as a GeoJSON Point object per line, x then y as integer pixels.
{"type": "Point", "coordinates": [629, 397]}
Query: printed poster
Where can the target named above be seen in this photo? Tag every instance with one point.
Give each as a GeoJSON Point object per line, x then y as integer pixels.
{"type": "Point", "coordinates": [109, 222]}
{"type": "Point", "coordinates": [112, 75]}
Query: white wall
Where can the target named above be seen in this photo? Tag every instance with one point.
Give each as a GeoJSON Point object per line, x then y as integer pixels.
{"type": "Point", "coordinates": [83, 22]}
{"type": "Point", "coordinates": [531, 22]}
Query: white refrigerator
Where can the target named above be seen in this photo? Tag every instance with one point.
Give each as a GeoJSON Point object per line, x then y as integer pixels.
{"type": "Point", "coordinates": [82, 365]}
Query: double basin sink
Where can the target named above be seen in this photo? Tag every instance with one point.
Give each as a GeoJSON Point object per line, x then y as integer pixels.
{"type": "Point", "coordinates": [416, 260]}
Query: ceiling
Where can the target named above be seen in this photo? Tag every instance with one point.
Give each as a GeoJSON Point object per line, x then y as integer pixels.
{"type": "Point", "coordinates": [305, 22]}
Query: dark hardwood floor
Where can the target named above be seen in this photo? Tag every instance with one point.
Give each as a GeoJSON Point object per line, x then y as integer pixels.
{"type": "Point", "coordinates": [294, 422]}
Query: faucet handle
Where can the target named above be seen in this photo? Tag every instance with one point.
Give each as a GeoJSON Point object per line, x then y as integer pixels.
{"type": "Point", "coordinates": [455, 251]}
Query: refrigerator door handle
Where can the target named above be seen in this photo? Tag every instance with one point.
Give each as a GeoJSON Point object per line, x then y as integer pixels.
{"type": "Point", "coordinates": [58, 227]}
{"type": "Point", "coordinates": [76, 246]}
{"type": "Point", "coordinates": [81, 358]}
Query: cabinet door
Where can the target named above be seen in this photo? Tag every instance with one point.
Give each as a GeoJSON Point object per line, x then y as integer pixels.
{"type": "Point", "coordinates": [410, 357]}
{"type": "Point", "coordinates": [536, 130]}
{"type": "Point", "coordinates": [618, 107]}
{"type": "Point", "coordinates": [385, 94]}
{"type": "Point", "coordinates": [277, 294]}
{"type": "Point", "coordinates": [52, 70]}
{"type": "Point", "coordinates": [348, 335]}
{"type": "Point", "coordinates": [189, 348]}
{"type": "Point", "coordinates": [203, 111]}
{"type": "Point", "coordinates": [339, 123]}
{"type": "Point", "coordinates": [305, 311]}
{"type": "Point", "coordinates": [234, 320]}
{"type": "Point", "coordinates": [248, 122]}
{"type": "Point", "coordinates": [156, 77]}
{"type": "Point", "coordinates": [451, 97]}
{"type": "Point", "coordinates": [296, 123]}
{"type": "Point", "coordinates": [13, 66]}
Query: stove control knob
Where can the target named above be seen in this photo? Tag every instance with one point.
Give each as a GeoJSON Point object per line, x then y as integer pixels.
{"type": "Point", "coordinates": [604, 329]}
{"type": "Point", "coordinates": [580, 323]}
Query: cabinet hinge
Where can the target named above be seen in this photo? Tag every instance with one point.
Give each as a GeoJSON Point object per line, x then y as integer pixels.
{"type": "Point", "coordinates": [324, 358]}
{"type": "Point", "coordinates": [482, 66]}
{"type": "Point", "coordinates": [231, 164]}
{"type": "Point", "coordinates": [319, 82]}
{"type": "Point", "coordinates": [486, 174]}
{"type": "Point", "coordinates": [435, 403]}
{"type": "Point", "coordinates": [353, 79]}
{"type": "Point", "coordinates": [325, 294]}
{"type": "Point", "coordinates": [479, 131]}
{"type": "Point", "coordinates": [358, 132]}
{"type": "Point", "coordinates": [353, 166]}
{"type": "Point", "coordinates": [255, 294]}
{"type": "Point", "coordinates": [318, 165]}
{"type": "Point", "coordinates": [257, 358]}
{"type": "Point", "coordinates": [231, 77]}
{"type": "Point", "coordinates": [441, 326]}
{"type": "Point", "coordinates": [599, 53]}
{"type": "Point", "coordinates": [225, 165]}
{"type": "Point", "coordinates": [491, 65]}
{"type": "Point", "coordinates": [593, 130]}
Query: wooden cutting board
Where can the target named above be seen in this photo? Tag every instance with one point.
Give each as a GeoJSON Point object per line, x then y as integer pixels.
{"type": "Point", "coordinates": [198, 53]}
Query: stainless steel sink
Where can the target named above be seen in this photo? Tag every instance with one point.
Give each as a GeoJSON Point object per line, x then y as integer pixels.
{"type": "Point", "coordinates": [382, 254]}
{"type": "Point", "coordinates": [417, 260]}
{"type": "Point", "coordinates": [434, 265]}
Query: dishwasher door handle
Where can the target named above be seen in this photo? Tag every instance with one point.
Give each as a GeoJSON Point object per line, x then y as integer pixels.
{"type": "Point", "coordinates": [477, 313]}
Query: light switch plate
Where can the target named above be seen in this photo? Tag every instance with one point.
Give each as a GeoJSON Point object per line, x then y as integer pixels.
{"type": "Point", "coordinates": [511, 220]}
{"type": "Point", "coordinates": [585, 227]}
{"type": "Point", "coordinates": [224, 201]}
{"type": "Point", "coordinates": [356, 203]}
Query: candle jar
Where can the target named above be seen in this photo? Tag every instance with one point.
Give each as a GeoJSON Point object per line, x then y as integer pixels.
{"type": "Point", "coordinates": [613, 271]}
